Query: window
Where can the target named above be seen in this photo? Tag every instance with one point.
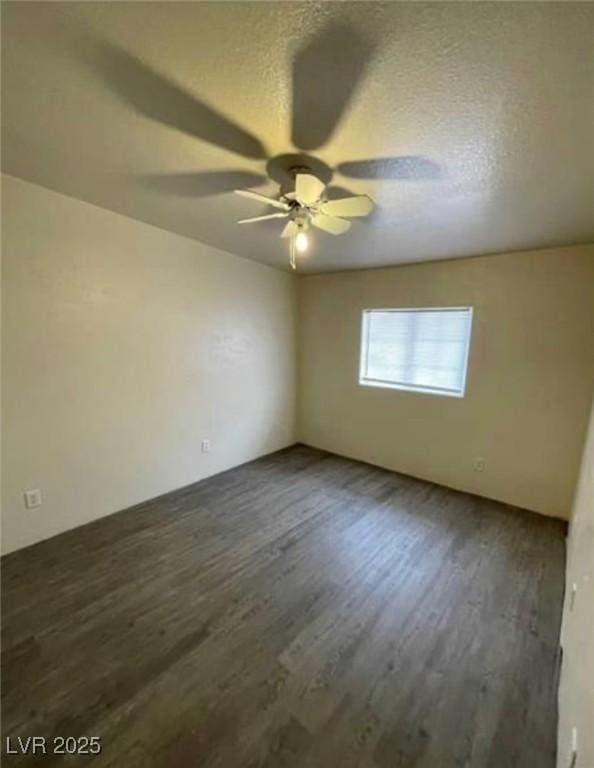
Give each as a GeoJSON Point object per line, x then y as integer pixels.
{"type": "Point", "coordinates": [424, 350]}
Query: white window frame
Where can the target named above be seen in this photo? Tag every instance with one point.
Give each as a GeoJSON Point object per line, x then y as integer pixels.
{"type": "Point", "coordinates": [364, 345]}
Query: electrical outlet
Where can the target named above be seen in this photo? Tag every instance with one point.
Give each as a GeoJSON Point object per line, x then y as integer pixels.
{"type": "Point", "coordinates": [478, 464]}
{"type": "Point", "coordinates": [574, 748]}
{"type": "Point", "coordinates": [572, 596]}
{"type": "Point", "coordinates": [33, 498]}
{"type": "Point", "coordinates": [205, 446]}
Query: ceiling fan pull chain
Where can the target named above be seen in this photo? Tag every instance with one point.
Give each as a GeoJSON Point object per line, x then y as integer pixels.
{"type": "Point", "coordinates": [292, 260]}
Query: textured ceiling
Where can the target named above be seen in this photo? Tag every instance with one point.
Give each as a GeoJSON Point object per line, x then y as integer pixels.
{"type": "Point", "coordinates": [484, 113]}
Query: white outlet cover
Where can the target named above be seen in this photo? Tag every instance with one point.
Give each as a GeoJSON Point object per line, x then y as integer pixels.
{"type": "Point", "coordinates": [33, 498]}
{"type": "Point", "coordinates": [205, 446]}
{"type": "Point", "coordinates": [479, 464]}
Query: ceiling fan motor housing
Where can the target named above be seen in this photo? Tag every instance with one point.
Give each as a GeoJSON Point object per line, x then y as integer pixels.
{"type": "Point", "coordinates": [301, 213]}
{"type": "Point", "coordinates": [300, 216]}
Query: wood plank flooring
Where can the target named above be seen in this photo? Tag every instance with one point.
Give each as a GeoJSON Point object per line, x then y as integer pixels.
{"type": "Point", "coordinates": [301, 610]}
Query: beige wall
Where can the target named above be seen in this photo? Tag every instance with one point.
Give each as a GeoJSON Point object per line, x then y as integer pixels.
{"type": "Point", "coordinates": [576, 692]}
{"type": "Point", "coordinates": [529, 385]}
{"type": "Point", "coordinates": [123, 347]}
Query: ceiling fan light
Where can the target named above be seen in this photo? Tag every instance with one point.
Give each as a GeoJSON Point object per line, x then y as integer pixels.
{"type": "Point", "coordinates": [301, 242]}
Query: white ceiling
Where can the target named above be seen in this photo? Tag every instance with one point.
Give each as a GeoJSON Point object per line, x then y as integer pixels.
{"type": "Point", "coordinates": [487, 108]}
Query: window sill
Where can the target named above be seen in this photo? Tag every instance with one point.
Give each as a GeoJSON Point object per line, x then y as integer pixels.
{"type": "Point", "coordinates": [408, 388]}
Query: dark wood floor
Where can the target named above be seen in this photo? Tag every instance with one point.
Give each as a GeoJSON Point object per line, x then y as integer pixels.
{"type": "Point", "coordinates": [302, 610]}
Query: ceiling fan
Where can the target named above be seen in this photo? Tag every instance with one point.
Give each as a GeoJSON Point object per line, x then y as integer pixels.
{"type": "Point", "coordinates": [326, 71]}
{"type": "Point", "coordinates": [308, 205]}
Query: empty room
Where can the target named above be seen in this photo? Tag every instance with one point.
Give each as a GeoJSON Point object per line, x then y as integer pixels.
{"type": "Point", "coordinates": [297, 384]}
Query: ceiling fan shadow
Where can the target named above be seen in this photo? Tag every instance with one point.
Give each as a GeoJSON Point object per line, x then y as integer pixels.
{"type": "Point", "coordinates": [200, 184]}
{"type": "Point", "coordinates": [326, 72]}
{"type": "Point", "coordinates": [406, 167]}
{"type": "Point", "coordinates": [159, 98]}
{"type": "Point", "coordinates": [335, 192]}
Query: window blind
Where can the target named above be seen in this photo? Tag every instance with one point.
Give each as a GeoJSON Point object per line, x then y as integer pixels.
{"type": "Point", "coordinates": [419, 349]}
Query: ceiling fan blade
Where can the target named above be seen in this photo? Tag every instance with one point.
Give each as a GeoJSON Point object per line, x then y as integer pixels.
{"type": "Point", "coordinates": [200, 184]}
{"type": "Point", "coordinates": [330, 224]}
{"type": "Point", "coordinates": [263, 218]}
{"type": "Point", "coordinates": [290, 229]}
{"type": "Point", "coordinates": [361, 205]}
{"type": "Point", "coordinates": [308, 188]}
{"type": "Point", "coordinates": [159, 98]}
{"type": "Point", "coordinates": [405, 167]}
{"type": "Point", "coordinates": [326, 72]}
{"type": "Point", "coordinates": [262, 198]}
